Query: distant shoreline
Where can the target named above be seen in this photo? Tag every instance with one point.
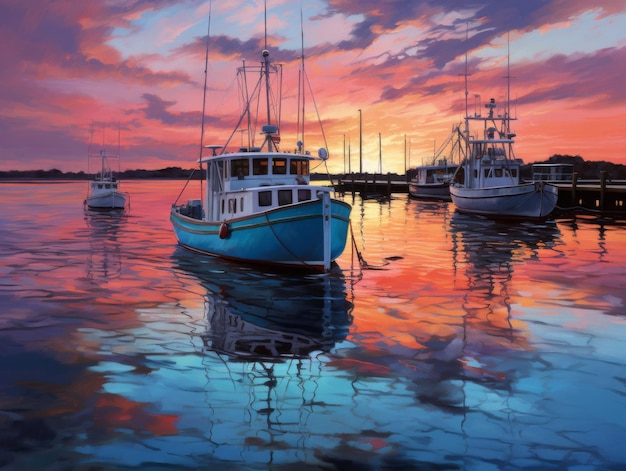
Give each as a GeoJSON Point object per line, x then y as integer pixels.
{"type": "Point", "coordinates": [584, 169]}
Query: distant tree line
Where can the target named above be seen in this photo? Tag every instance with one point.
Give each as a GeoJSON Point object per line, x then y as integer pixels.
{"type": "Point", "coordinates": [169, 172]}
{"type": "Point", "coordinates": [585, 169]}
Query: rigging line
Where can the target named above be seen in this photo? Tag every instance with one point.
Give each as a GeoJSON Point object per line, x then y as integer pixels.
{"type": "Point", "coordinates": [206, 67]}
{"type": "Point", "coordinates": [319, 119]}
{"type": "Point", "coordinates": [303, 262]}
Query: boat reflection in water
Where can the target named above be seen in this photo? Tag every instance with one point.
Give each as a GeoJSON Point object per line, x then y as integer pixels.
{"type": "Point", "coordinates": [485, 253]}
{"type": "Point", "coordinates": [104, 257]}
{"type": "Point", "coordinates": [265, 342]}
{"type": "Point", "coordinates": [269, 316]}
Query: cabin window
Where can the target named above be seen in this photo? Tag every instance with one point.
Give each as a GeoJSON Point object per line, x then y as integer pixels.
{"type": "Point", "coordinates": [259, 166]}
{"type": "Point", "coordinates": [299, 167]}
{"type": "Point", "coordinates": [265, 198]}
{"type": "Point", "coordinates": [285, 197]}
{"type": "Point", "coordinates": [279, 166]}
{"type": "Point", "coordinates": [223, 203]}
{"type": "Point", "coordinates": [304, 195]}
{"type": "Point", "coordinates": [232, 205]}
{"type": "Point", "coordinates": [107, 186]}
{"type": "Point", "coordinates": [99, 186]}
{"type": "Point", "coordinates": [498, 172]}
{"type": "Point", "coordinates": [514, 172]}
{"type": "Point", "coordinates": [241, 204]}
{"type": "Point", "coordinates": [239, 168]}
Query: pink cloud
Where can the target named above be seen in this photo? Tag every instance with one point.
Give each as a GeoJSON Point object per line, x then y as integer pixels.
{"type": "Point", "coordinates": [65, 72]}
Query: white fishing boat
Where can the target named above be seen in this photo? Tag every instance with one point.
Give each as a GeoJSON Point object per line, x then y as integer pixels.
{"type": "Point", "coordinates": [432, 181]}
{"type": "Point", "coordinates": [490, 184]}
{"type": "Point", "coordinates": [258, 204]}
{"type": "Point", "coordinates": [104, 192]}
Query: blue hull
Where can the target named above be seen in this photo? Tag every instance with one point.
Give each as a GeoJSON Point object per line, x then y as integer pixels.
{"type": "Point", "coordinates": [288, 236]}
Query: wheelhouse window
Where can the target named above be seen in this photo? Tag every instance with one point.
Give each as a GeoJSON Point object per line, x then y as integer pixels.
{"type": "Point", "coordinates": [279, 166]}
{"type": "Point", "coordinates": [240, 168]}
{"type": "Point", "coordinates": [299, 167]}
{"type": "Point", "coordinates": [304, 195]}
{"type": "Point", "coordinates": [260, 166]}
{"type": "Point", "coordinates": [265, 198]}
{"type": "Point", "coordinates": [285, 197]}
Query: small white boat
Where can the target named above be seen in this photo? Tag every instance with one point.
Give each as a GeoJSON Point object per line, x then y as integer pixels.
{"type": "Point", "coordinates": [104, 189]}
{"type": "Point", "coordinates": [553, 173]}
{"type": "Point", "coordinates": [432, 181]}
{"type": "Point", "coordinates": [258, 204]}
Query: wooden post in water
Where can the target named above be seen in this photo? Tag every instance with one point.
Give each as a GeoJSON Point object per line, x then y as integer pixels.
{"type": "Point", "coordinates": [574, 180]}
{"type": "Point", "coordinates": [388, 184]}
{"type": "Point", "coordinates": [602, 188]}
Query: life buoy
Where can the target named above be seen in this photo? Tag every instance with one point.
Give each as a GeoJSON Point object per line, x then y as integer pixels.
{"type": "Point", "coordinates": [224, 231]}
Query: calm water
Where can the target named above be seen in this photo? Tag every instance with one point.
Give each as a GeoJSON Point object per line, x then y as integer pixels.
{"type": "Point", "coordinates": [457, 343]}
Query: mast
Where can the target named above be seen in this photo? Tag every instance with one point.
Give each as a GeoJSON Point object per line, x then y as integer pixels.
{"type": "Point", "coordinates": [271, 145]}
{"type": "Point", "coordinates": [469, 181]}
{"type": "Point", "coordinates": [508, 84]}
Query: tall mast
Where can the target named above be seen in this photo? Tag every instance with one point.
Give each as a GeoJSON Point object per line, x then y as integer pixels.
{"type": "Point", "coordinates": [508, 84]}
{"type": "Point", "coordinates": [465, 78]}
{"type": "Point", "coordinates": [302, 74]}
{"type": "Point", "coordinates": [266, 71]}
{"type": "Point", "coordinates": [206, 67]}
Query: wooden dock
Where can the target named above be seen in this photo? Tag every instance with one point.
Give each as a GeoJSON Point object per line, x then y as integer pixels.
{"type": "Point", "coordinates": [607, 197]}
{"type": "Point", "coordinates": [602, 197]}
{"type": "Point", "coordinates": [372, 184]}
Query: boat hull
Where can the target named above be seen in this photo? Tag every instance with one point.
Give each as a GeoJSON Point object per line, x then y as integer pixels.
{"type": "Point", "coordinates": [106, 201]}
{"type": "Point", "coordinates": [434, 191]}
{"type": "Point", "coordinates": [534, 200]}
{"type": "Point", "coordinates": [290, 235]}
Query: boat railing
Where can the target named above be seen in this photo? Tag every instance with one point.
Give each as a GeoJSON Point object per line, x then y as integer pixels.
{"type": "Point", "coordinates": [553, 172]}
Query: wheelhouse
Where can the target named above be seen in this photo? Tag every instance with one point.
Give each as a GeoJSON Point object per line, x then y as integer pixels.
{"type": "Point", "coordinates": [245, 183]}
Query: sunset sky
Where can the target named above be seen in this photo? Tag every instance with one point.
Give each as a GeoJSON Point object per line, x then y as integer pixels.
{"type": "Point", "coordinates": [70, 66]}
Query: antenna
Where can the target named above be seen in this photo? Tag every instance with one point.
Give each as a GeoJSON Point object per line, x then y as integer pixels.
{"type": "Point", "coordinates": [465, 78]}
{"type": "Point", "coordinates": [265, 21]}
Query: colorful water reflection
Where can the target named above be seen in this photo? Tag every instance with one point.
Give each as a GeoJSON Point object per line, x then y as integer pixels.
{"type": "Point", "coordinates": [459, 343]}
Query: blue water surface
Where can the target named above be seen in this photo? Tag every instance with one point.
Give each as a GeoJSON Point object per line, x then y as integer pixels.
{"type": "Point", "coordinates": [439, 341]}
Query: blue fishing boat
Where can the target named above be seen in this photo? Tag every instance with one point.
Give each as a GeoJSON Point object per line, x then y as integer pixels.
{"type": "Point", "coordinates": [258, 204]}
